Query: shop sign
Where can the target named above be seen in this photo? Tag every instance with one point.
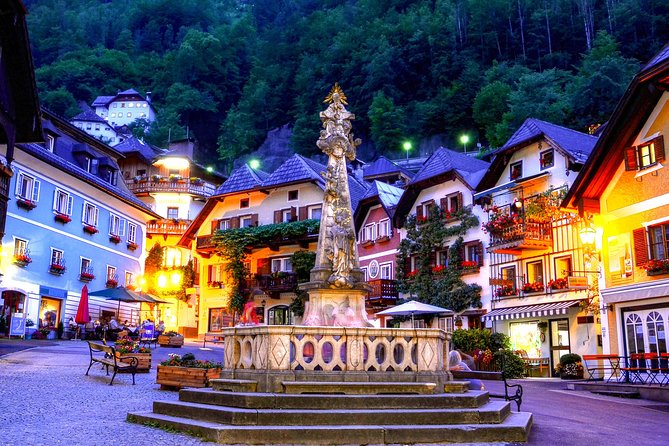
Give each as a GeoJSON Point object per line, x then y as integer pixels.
{"type": "Point", "coordinates": [577, 283]}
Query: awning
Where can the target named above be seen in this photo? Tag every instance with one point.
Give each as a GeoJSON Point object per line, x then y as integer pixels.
{"type": "Point", "coordinates": [509, 185]}
{"type": "Point", "coordinates": [637, 291]}
{"type": "Point", "coordinates": [528, 311]}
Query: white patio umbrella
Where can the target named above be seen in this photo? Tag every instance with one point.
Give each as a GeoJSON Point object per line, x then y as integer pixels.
{"type": "Point", "coordinates": [413, 307]}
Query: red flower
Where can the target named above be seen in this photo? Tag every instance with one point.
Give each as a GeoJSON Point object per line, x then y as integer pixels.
{"type": "Point", "coordinates": [533, 287]}
{"type": "Point", "coordinates": [63, 218]}
{"type": "Point", "coordinates": [412, 274]}
{"type": "Point", "coordinates": [656, 265]}
{"type": "Point", "coordinates": [558, 284]}
{"type": "Point", "coordinates": [438, 269]}
{"type": "Point", "coordinates": [467, 264]}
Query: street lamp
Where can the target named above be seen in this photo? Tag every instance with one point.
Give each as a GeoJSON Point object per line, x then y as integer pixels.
{"type": "Point", "coordinates": [407, 146]}
{"type": "Point", "coordinates": [254, 164]}
{"type": "Point", "coordinates": [464, 139]}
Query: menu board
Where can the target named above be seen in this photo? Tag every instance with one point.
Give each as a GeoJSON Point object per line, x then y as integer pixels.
{"type": "Point", "coordinates": [18, 325]}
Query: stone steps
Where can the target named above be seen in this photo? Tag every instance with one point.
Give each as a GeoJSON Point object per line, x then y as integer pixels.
{"type": "Point", "coordinates": [359, 388]}
{"type": "Point", "coordinates": [515, 428]}
{"type": "Point", "coordinates": [490, 413]}
{"type": "Point", "coordinates": [470, 399]}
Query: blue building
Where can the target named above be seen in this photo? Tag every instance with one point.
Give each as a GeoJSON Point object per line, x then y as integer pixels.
{"type": "Point", "coordinates": [71, 221]}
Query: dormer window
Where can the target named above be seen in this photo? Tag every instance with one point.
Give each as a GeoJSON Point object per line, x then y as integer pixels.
{"type": "Point", "coordinates": [50, 143]}
{"type": "Point", "coordinates": [516, 170]}
{"type": "Point", "coordinates": [645, 155]}
{"type": "Point", "coordinates": [547, 159]}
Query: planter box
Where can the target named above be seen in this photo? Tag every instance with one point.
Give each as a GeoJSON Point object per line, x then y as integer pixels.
{"type": "Point", "coordinates": [657, 273]}
{"type": "Point", "coordinates": [144, 364]}
{"type": "Point", "coordinates": [180, 377]}
{"type": "Point", "coordinates": [170, 341]}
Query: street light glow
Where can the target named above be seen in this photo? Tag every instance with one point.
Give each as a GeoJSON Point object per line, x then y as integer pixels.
{"type": "Point", "coordinates": [210, 169]}
{"type": "Point", "coordinates": [407, 146]}
{"type": "Point", "coordinates": [464, 139]}
{"type": "Point", "coordinates": [254, 164]}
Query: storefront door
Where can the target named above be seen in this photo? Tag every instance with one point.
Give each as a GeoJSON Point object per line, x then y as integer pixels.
{"type": "Point", "coordinates": [645, 331]}
{"type": "Point", "coordinates": [559, 341]}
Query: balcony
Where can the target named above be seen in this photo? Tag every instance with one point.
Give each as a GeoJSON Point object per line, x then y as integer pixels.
{"type": "Point", "coordinates": [383, 293]}
{"type": "Point", "coordinates": [521, 236]}
{"type": "Point", "coordinates": [167, 227]}
{"type": "Point", "coordinates": [273, 284]}
{"type": "Point", "coordinates": [157, 184]}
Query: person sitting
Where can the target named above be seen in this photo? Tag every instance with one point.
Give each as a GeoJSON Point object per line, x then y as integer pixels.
{"type": "Point", "coordinates": [133, 331]}
{"type": "Point", "coordinates": [160, 329]}
{"type": "Point", "coordinates": [455, 362]}
{"type": "Point", "coordinates": [113, 329]}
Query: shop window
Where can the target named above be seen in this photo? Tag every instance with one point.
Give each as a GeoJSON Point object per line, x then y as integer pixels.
{"type": "Point", "coordinates": [525, 336]}
{"type": "Point", "coordinates": [218, 319]}
{"type": "Point", "coordinates": [49, 312]}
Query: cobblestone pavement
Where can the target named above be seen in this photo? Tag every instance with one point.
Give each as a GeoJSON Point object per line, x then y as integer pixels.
{"type": "Point", "coordinates": [47, 400]}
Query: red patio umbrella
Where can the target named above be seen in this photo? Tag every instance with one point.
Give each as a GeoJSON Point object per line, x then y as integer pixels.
{"type": "Point", "coordinates": [82, 316]}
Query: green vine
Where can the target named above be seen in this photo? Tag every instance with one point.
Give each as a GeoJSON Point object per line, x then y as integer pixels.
{"type": "Point", "coordinates": [441, 286]}
{"type": "Point", "coordinates": [232, 245]}
{"type": "Point", "coordinates": [303, 262]}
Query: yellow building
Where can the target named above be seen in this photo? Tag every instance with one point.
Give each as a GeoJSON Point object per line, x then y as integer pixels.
{"type": "Point", "coordinates": [625, 189]}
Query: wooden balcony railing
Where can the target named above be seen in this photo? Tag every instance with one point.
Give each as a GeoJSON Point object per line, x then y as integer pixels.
{"type": "Point", "coordinates": [202, 189]}
{"type": "Point", "coordinates": [384, 293]}
{"type": "Point", "coordinates": [525, 235]}
{"type": "Point", "coordinates": [283, 282]}
{"type": "Point", "coordinates": [205, 242]}
{"type": "Point", "coordinates": [168, 227]}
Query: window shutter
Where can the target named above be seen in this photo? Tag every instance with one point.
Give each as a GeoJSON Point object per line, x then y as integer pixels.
{"type": "Point", "coordinates": [55, 200]}
{"type": "Point", "coordinates": [70, 202]}
{"type": "Point", "coordinates": [407, 265]}
{"type": "Point", "coordinates": [263, 266]}
{"type": "Point", "coordinates": [419, 212]}
{"type": "Point", "coordinates": [277, 216]}
{"type": "Point", "coordinates": [433, 259]}
{"type": "Point", "coordinates": [254, 219]}
{"type": "Point", "coordinates": [479, 253]}
{"type": "Point", "coordinates": [303, 213]}
{"type": "Point", "coordinates": [121, 229]}
{"type": "Point", "coordinates": [19, 183]}
{"type": "Point", "coordinates": [95, 216]}
{"type": "Point", "coordinates": [630, 158]}
{"type": "Point", "coordinates": [640, 247]}
{"type": "Point", "coordinates": [443, 204]}
{"type": "Point", "coordinates": [36, 185]}
{"type": "Point", "coordinates": [111, 223]}
{"type": "Point", "coordinates": [293, 213]}
{"type": "Point", "coordinates": [460, 202]}
{"type": "Point", "coordinates": [210, 269]}
{"type": "Point", "coordinates": [214, 225]}
{"type": "Point", "coordinates": [461, 254]}
{"type": "Point", "coordinates": [234, 222]}
{"type": "Point", "coordinates": [659, 148]}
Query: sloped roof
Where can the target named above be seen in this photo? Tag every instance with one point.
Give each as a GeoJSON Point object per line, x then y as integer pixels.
{"type": "Point", "coordinates": [136, 145]}
{"type": "Point", "coordinates": [378, 192]}
{"type": "Point", "coordinates": [128, 92]}
{"type": "Point", "coordinates": [89, 116]}
{"type": "Point", "coordinates": [296, 169]}
{"type": "Point", "coordinates": [660, 57]}
{"type": "Point", "coordinates": [357, 189]}
{"type": "Point", "coordinates": [383, 166]}
{"type": "Point", "coordinates": [242, 179]}
{"type": "Point", "coordinates": [577, 144]}
{"type": "Point", "coordinates": [102, 100]}
{"type": "Point", "coordinates": [444, 160]}
{"type": "Point", "coordinates": [118, 191]}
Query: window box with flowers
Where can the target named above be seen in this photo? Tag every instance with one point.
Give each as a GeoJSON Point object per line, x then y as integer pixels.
{"type": "Point", "coordinates": [215, 284]}
{"type": "Point", "coordinates": [132, 246]}
{"type": "Point", "coordinates": [367, 243]}
{"type": "Point", "coordinates": [558, 284]}
{"type": "Point", "coordinates": [469, 266]}
{"type": "Point", "coordinates": [57, 268]}
{"type": "Point", "coordinates": [382, 239]}
{"type": "Point", "coordinates": [506, 291]}
{"type": "Point", "coordinates": [25, 203]}
{"type": "Point", "coordinates": [86, 277]}
{"type": "Point", "coordinates": [657, 267]}
{"type": "Point", "coordinates": [411, 275]}
{"type": "Point", "coordinates": [499, 222]}
{"type": "Point", "coordinates": [533, 287]}
{"type": "Point", "coordinates": [114, 238]}
{"type": "Point", "coordinates": [197, 181]}
{"type": "Point", "coordinates": [90, 229]}
{"type": "Point", "coordinates": [22, 260]}
{"type": "Point", "coordinates": [111, 283]}
{"type": "Point", "coordinates": [439, 269]}
{"type": "Point", "coordinates": [62, 218]}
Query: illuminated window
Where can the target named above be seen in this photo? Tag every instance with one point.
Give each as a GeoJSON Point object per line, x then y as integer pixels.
{"type": "Point", "coordinates": [645, 155]}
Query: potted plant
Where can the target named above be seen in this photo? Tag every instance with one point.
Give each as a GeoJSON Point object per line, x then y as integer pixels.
{"type": "Point", "coordinates": [90, 229]}
{"type": "Point", "coordinates": [114, 238]}
{"type": "Point", "coordinates": [25, 203]}
{"type": "Point", "coordinates": [127, 348]}
{"type": "Point", "coordinates": [86, 277]}
{"type": "Point", "coordinates": [558, 284]}
{"type": "Point", "coordinates": [533, 287]}
{"type": "Point", "coordinates": [186, 371]}
{"type": "Point", "coordinates": [62, 218]}
{"type": "Point", "coordinates": [131, 246]}
{"type": "Point", "coordinates": [56, 268]}
{"type": "Point", "coordinates": [22, 259]}
{"type": "Point", "coordinates": [570, 366]}
{"type": "Point", "coordinates": [170, 339]}
{"type": "Point", "coordinates": [111, 283]}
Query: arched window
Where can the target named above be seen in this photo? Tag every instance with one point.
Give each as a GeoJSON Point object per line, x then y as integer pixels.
{"type": "Point", "coordinates": [657, 341]}
{"type": "Point", "coordinates": [279, 315]}
{"type": "Point", "coordinates": [634, 330]}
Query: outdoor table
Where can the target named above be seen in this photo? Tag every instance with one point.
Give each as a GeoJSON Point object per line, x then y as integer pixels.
{"type": "Point", "coordinates": [610, 363]}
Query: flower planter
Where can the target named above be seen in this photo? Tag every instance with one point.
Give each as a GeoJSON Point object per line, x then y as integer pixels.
{"type": "Point", "coordinates": [571, 375]}
{"type": "Point", "coordinates": [57, 270]}
{"type": "Point", "coordinates": [172, 377]}
{"type": "Point", "coordinates": [144, 360]}
{"type": "Point", "coordinates": [26, 204]}
{"type": "Point", "coordinates": [131, 246]}
{"type": "Point", "coordinates": [170, 341]}
{"type": "Point", "coordinates": [657, 273]}
{"type": "Point", "coordinates": [62, 218]}
{"type": "Point", "coordinates": [86, 277]}
{"type": "Point", "coordinates": [114, 239]}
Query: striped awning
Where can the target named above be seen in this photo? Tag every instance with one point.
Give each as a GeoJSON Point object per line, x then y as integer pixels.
{"type": "Point", "coordinates": [528, 311]}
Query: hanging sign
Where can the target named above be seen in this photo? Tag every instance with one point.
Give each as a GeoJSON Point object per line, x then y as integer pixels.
{"type": "Point", "coordinates": [577, 283]}
{"type": "Point", "coordinates": [18, 325]}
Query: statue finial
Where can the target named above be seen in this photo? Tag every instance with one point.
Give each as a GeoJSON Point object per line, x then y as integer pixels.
{"type": "Point", "coordinates": [336, 90]}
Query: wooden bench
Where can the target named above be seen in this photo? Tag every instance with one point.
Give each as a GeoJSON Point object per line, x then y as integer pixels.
{"type": "Point", "coordinates": [512, 392]}
{"type": "Point", "coordinates": [214, 338]}
{"type": "Point", "coordinates": [106, 355]}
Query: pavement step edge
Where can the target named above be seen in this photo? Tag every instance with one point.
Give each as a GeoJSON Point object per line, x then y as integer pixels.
{"type": "Point", "coordinates": [515, 428]}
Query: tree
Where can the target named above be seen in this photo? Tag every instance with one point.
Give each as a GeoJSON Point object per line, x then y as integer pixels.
{"type": "Point", "coordinates": [386, 123]}
{"type": "Point", "coordinates": [491, 103]}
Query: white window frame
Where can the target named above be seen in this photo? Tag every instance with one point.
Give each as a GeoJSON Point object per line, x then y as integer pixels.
{"type": "Point", "coordinates": [62, 202]}
{"type": "Point", "coordinates": [57, 256]}
{"type": "Point", "coordinates": [386, 270]}
{"type": "Point", "coordinates": [20, 246]}
{"type": "Point", "coordinates": [132, 232]}
{"type": "Point", "coordinates": [116, 225]}
{"type": "Point", "coordinates": [50, 142]}
{"type": "Point", "coordinates": [312, 209]}
{"type": "Point", "coordinates": [129, 278]}
{"type": "Point", "coordinates": [286, 215]}
{"type": "Point", "coordinates": [445, 323]}
{"type": "Point", "coordinates": [111, 272]}
{"type": "Point", "coordinates": [90, 214]}
{"type": "Point", "coordinates": [223, 224]}
{"type": "Point", "coordinates": [282, 263]}
{"type": "Point", "coordinates": [297, 195]}
{"type": "Point", "coordinates": [369, 232]}
{"type": "Point", "coordinates": [172, 208]}
{"type": "Point", "coordinates": [27, 187]}
{"type": "Point", "coordinates": [245, 218]}
{"type": "Point", "coordinates": [85, 264]}
{"type": "Point", "coordinates": [384, 228]}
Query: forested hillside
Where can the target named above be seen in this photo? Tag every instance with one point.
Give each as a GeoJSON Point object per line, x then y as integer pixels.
{"type": "Point", "coordinates": [230, 70]}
